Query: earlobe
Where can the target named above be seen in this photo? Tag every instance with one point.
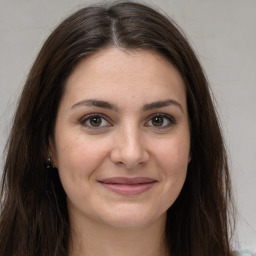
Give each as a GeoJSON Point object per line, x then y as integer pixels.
{"type": "Point", "coordinates": [49, 164]}
{"type": "Point", "coordinates": [52, 160]}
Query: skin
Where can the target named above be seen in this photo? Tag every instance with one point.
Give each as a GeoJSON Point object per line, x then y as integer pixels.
{"type": "Point", "coordinates": [133, 138]}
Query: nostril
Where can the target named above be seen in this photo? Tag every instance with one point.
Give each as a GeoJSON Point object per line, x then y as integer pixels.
{"type": "Point", "coordinates": [129, 150]}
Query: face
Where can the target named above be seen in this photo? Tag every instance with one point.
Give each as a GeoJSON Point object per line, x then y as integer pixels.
{"type": "Point", "coordinates": [122, 139]}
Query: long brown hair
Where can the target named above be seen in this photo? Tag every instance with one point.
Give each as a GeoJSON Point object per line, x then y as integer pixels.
{"type": "Point", "coordinates": [34, 218]}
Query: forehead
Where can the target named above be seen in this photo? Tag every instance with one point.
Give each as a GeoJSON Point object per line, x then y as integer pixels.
{"type": "Point", "coordinates": [113, 71]}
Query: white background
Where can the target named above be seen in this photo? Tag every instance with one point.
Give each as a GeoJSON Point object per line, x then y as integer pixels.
{"type": "Point", "coordinates": [223, 33]}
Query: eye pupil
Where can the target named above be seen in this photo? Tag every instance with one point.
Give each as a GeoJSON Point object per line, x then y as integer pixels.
{"type": "Point", "coordinates": [157, 121]}
{"type": "Point", "coordinates": [95, 121]}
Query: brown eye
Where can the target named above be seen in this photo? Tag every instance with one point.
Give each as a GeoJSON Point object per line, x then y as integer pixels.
{"type": "Point", "coordinates": [157, 121]}
{"type": "Point", "coordinates": [161, 121]}
{"type": "Point", "coordinates": [95, 121]}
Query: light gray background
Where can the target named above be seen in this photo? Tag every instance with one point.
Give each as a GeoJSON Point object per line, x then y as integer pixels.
{"type": "Point", "coordinates": [223, 33]}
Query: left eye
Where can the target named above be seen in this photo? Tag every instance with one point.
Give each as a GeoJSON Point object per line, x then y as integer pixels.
{"type": "Point", "coordinates": [95, 121]}
{"type": "Point", "coordinates": [160, 121]}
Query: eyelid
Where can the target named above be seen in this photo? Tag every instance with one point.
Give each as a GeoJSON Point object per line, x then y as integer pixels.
{"type": "Point", "coordinates": [88, 116]}
{"type": "Point", "coordinates": [170, 118]}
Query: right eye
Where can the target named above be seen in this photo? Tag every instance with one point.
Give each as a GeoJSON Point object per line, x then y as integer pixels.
{"type": "Point", "coordinates": [95, 121]}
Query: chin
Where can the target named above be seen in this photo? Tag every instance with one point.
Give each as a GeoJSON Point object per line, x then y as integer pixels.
{"type": "Point", "coordinates": [127, 218]}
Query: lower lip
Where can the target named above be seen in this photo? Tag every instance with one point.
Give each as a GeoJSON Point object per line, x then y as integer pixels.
{"type": "Point", "coordinates": [129, 189]}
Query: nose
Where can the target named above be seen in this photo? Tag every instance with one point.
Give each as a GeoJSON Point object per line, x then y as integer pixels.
{"type": "Point", "coordinates": [129, 148]}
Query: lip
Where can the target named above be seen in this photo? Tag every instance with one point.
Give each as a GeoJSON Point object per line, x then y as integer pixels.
{"type": "Point", "coordinates": [128, 186]}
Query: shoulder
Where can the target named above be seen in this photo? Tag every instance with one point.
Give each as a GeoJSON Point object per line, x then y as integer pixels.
{"type": "Point", "coordinates": [243, 253]}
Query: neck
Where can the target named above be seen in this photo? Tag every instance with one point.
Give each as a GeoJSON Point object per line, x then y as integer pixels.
{"type": "Point", "coordinates": [94, 239]}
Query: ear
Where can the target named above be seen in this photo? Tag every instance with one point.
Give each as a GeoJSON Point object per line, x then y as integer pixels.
{"type": "Point", "coordinates": [52, 153]}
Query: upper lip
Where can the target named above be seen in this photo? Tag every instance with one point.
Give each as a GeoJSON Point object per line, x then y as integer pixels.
{"type": "Point", "coordinates": [127, 180]}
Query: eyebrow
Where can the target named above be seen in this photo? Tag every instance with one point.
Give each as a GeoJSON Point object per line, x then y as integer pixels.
{"type": "Point", "coordinates": [161, 104]}
{"type": "Point", "coordinates": [110, 106]}
{"type": "Point", "coordinates": [96, 103]}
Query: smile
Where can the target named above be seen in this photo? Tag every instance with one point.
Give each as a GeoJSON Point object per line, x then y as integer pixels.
{"type": "Point", "coordinates": [128, 186]}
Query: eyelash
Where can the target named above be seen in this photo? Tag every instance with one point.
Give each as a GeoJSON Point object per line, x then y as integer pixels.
{"type": "Point", "coordinates": [171, 120]}
{"type": "Point", "coordinates": [165, 118]}
{"type": "Point", "coordinates": [88, 118]}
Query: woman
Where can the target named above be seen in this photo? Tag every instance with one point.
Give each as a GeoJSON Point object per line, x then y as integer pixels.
{"type": "Point", "coordinates": [115, 147]}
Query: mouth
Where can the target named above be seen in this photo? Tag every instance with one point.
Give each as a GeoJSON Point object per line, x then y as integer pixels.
{"type": "Point", "coordinates": [128, 186]}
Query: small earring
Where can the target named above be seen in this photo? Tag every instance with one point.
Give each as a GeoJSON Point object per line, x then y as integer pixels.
{"type": "Point", "coordinates": [49, 164]}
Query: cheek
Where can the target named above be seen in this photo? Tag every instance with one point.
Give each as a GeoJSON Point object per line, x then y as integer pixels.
{"type": "Point", "coordinates": [78, 157]}
{"type": "Point", "coordinates": [172, 159]}
{"type": "Point", "coordinates": [174, 155]}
